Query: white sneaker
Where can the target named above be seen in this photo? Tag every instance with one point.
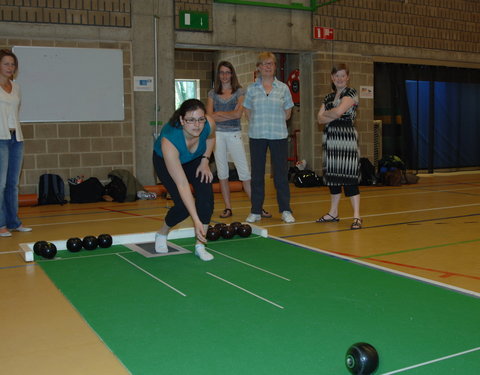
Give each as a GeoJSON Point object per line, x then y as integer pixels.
{"type": "Point", "coordinates": [161, 243]}
{"type": "Point", "coordinates": [5, 234]}
{"type": "Point", "coordinates": [253, 218]}
{"type": "Point", "coordinates": [202, 253]}
{"type": "Point", "coordinates": [287, 217]}
{"type": "Point", "coordinates": [21, 228]}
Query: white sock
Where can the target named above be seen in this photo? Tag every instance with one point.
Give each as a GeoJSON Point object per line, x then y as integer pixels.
{"type": "Point", "coordinates": [161, 243]}
{"type": "Point", "coordinates": [202, 253]}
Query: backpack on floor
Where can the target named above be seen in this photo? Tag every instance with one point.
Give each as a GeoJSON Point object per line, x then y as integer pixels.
{"type": "Point", "coordinates": [51, 189]}
{"type": "Point", "coordinates": [116, 189]}
{"type": "Point", "coordinates": [307, 178]}
{"type": "Point", "coordinates": [367, 171]}
{"type": "Point", "coordinates": [89, 191]}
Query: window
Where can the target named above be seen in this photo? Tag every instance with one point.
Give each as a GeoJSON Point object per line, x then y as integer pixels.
{"type": "Point", "coordinates": [186, 89]}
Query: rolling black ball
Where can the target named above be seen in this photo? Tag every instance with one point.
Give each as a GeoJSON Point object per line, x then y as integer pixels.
{"type": "Point", "coordinates": [90, 242]}
{"type": "Point", "coordinates": [104, 240]}
{"type": "Point", "coordinates": [213, 234]}
{"type": "Point", "coordinates": [74, 244]}
{"type": "Point", "coordinates": [38, 245]}
{"type": "Point", "coordinates": [244, 230]}
{"type": "Point", "coordinates": [227, 232]}
{"type": "Point", "coordinates": [48, 251]}
{"type": "Point", "coordinates": [361, 359]}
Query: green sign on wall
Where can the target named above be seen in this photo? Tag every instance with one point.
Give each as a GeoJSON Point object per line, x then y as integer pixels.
{"type": "Point", "coordinates": [193, 20]}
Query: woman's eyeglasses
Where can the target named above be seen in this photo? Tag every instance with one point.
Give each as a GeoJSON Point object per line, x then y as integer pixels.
{"type": "Point", "coordinates": [191, 121]}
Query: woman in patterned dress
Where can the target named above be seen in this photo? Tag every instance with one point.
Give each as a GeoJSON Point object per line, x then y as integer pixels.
{"type": "Point", "coordinates": [341, 156]}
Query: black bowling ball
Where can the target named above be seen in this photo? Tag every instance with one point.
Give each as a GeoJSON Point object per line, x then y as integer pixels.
{"type": "Point", "coordinates": [48, 251]}
{"type": "Point", "coordinates": [90, 242]}
{"type": "Point", "coordinates": [213, 234]}
{"type": "Point", "coordinates": [235, 225]}
{"type": "Point", "coordinates": [244, 230]}
{"type": "Point", "coordinates": [220, 225]}
{"type": "Point", "coordinates": [227, 232]}
{"type": "Point", "coordinates": [104, 240]}
{"type": "Point", "coordinates": [361, 359]}
{"type": "Point", "coordinates": [38, 245]}
{"type": "Point", "coordinates": [74, 244]}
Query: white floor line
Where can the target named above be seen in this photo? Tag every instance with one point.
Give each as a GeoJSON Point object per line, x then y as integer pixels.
{"type": "Point", "coordinates": [94, 220]}
{"type": "Point", "coordinates": [245, 290]}
{"type": "Point", "coordinates": [274, 205]}
{"type": "Point", "coordinates": [365, 196]}
{"type": "Point", "coordinates": [385, 214]}
{"type": "Point", "coordinates": [152, 276]}
{"type": "Point", "coordinates": [10, 252]}
{"type": "Point", "coordinates": [432, 361]}
{"type": "Point", "coordinates": [248, 264]}
{"type": "Point", "coordinates": [60, 259]}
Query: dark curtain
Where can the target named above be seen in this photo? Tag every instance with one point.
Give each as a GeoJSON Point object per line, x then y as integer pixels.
{"type": "Point", "coordinates": [430, 114]}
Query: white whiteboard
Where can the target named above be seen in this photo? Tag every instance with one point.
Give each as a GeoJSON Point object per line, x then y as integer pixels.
{"type": "Point", "coordinates": [70, 84]}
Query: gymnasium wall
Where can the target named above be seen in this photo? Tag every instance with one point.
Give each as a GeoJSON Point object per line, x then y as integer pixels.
{"type": "Point", "coordinates": [436, 32]}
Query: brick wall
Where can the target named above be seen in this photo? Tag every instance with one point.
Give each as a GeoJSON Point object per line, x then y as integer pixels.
{"type": "Point", "coordinates": [448, 25]}
{"type": "Point", "coordinates": [85, 148]}
{"type": "Point", "coordinates": [192, 64]}
{"type": "Point", "coordinates": [114, 13]}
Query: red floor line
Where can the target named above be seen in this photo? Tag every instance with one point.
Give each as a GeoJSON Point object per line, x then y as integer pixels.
{"type": "Point", "coordinates": [443, 274]}
{"type": "Point", "coordinates": [130, 213]}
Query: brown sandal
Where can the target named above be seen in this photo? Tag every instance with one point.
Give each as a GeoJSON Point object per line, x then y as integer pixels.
{"type": "Point", "coordinates": [357, 223]}
{"type": "Point", "coordinates": [266, 214]}
{"type": "Point", "coordinates": [227, 212]}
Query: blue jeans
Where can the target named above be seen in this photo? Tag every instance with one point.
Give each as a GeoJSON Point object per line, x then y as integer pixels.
{"type": "Point", "coordinates": [11, 156]}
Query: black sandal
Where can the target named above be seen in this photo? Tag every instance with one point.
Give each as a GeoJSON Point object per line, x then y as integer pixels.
{"type": "Point", "coordinates": [327, 218]}
{"type": "Point", "coordinates": [357, 223]}
{"type": "Point", "coordinates": [266, 214]}
{"type": "Point", "coordinates": [227, 212]}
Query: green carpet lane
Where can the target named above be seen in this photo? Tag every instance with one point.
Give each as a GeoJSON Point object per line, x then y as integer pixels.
{"type": "Point", "coordinates": [328, 304]}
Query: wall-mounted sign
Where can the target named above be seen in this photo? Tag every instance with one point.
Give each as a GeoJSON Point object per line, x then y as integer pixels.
{"type": "Point", "coordinates": [193, 20]}
{"type": "Point", "coordinates": [366, 92]}
{"type": "Point", "coordinates": [142, 83]}
{"type": "Point", "coordinates": [323, 33]}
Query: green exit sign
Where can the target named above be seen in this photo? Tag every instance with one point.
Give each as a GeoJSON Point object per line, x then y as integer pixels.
{"type": "Point", "coordinates": [193, 20]}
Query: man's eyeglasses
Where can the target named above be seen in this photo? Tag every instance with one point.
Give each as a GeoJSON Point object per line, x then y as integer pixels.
{"type": "Point", "coordinates": [267, 63]}
{"type": "Point", "coordinates": [191, 121]}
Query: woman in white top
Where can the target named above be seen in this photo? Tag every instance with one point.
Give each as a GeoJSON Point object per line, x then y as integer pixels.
{"type": "Point", "coordinates": [11, 146]}
{"type": "Point", "coordinates": [224, 104]}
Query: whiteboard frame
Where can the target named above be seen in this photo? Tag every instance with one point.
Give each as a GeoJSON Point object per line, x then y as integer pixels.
{"type": "Point", "coordinates": [60, 84]}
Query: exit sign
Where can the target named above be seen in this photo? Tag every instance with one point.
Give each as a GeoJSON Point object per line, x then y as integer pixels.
{"type": "Point", "coordinates": [322, 33]}
{"type": "Point", "coordinates": [193, 20]}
